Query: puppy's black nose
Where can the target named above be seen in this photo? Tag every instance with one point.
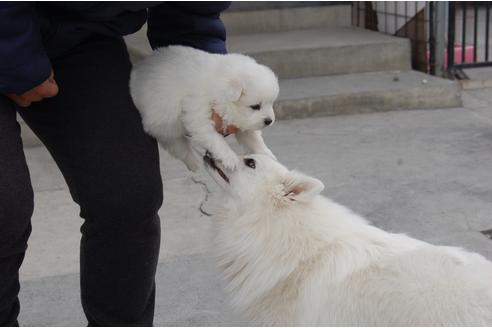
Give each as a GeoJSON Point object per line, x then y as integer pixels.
{"type": "Point", "coordinates": [267, 121]}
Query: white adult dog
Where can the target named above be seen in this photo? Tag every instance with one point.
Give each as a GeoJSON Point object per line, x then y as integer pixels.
{"type": "Point", "coordinates": [290, 256]}
{"type": "Point", "coordinates": [176, 90]}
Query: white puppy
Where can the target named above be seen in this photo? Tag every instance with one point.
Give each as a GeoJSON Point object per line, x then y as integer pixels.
{"type": "Point", "coordinates": [177, 88]}
{"type": "Point", "coordinates": [290, 256]}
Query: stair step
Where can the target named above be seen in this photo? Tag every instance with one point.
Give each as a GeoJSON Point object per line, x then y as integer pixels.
{"type": "Point", "coordinates": [324, 51]}
{"type": "Point", "coordinates": [263, 20]}
{"type": "Point", "coordinates": [311, 52]}
{"type": "Point", "coordinates": [352, 94]}
{"type": "Point", "coordinates": [265, 5]}
{"type": "Point", "coordinates": [364, 93]}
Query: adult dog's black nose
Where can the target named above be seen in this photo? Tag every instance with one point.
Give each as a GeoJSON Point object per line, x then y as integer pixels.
{"type": "Point", "coordinates": [267, 121]}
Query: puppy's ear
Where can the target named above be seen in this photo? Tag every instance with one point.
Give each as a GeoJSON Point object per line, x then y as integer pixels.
{"type": "Point", "coordinates": [234, 90]}
{"type": "Point", "coordinates": [300, 187]}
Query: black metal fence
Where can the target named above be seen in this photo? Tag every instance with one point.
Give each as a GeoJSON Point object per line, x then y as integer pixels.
{"type": "Point", "coordinates": [459, 39]}
{"type": "Point", "coordinates": [468, 32]}
{"type": "Point", "coordinates": [407, 19]}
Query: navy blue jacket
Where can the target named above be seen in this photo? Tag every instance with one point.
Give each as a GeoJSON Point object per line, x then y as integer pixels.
{"type": "Point", "coordinates": [32, 33]}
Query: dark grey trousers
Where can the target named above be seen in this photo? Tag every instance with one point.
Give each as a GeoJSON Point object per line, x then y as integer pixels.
{"type": "Point", "coordinates": [94, 133]}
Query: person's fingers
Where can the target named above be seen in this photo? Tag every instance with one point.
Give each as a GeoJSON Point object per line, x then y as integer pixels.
{"type": "Point", "coordinates": [53, 84]}
{"type": "Point", "coordinates": [219, 125]}
{"type": "Point", "coordinates": [23, 103]}
{"type": "Point", "coordinates": [51, 90]}
{"type": "Point", "coordinates": [231, 129]}
{"type": "Point", "coordinates": [35, 97]}
{"type": "Point", "coordinates": [20, 101]}
{"type": "Point", "coordinates": [51, 78]}
{"type": "Point", "coordinates": [26, 98]}
{"type": "Point", "coordinates": [32, 95]}
{"type": "Point", "coordinates": [48, 88]}
{"type": "Point", "coordinates": [217, 121]}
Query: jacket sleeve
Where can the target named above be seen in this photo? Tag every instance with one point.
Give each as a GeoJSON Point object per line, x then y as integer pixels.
{"type": "Point", "coordinates": [23, 61]}
{"type": "Point", "coordinates": [194, 24]}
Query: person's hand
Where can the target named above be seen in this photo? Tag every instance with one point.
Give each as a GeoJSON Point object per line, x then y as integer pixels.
{"type": "Point", "coordinates": [219, 125]}
{"type": "Point", "coordinates": [47, 89]}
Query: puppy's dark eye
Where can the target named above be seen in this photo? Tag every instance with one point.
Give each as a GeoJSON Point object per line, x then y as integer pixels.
{"type": "Point", "coordinates": [255, 107]}
{"type": "Point", "coordinates": [249, 162]}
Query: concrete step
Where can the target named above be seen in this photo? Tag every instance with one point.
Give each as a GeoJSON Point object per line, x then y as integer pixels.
{"type": "Point", "coordinates": [364, 93]}
{"type": "Point", "coordinates": [259, 19]}
{"type": "Point", "coordinates": [310, 52]}
{"type": "Point", "coordinates": [352, 94]}
{"type": "Point", "coordinates": [324, 51]}
{"type": "Point", "coordinates": [266, 5]}
{"type": "Point", "coordinates": [265, 17]}
{"type": "Point", "coordinates": [477, 78]}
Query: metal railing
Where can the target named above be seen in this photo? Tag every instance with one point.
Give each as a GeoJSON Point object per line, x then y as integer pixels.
{"type": "Point", "coordinates": [409, 19]}
{"type": "Point", "coordinates": [446, 36]}
{"type": "Point", "coordinates": [468, 32]}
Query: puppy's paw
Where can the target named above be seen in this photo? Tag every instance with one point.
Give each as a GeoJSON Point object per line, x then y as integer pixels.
{"type": "Point", "coordinates": [230, 161]}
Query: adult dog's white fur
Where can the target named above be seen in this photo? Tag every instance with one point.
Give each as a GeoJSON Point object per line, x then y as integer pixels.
{"type": "Point", "coordinates": [176, 88]}
{"type": "Point", "coordinates": [290, 256]}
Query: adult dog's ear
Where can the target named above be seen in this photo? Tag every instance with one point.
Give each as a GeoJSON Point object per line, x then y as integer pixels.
{"type": "Point", "coordinates": [234, 90]}
{"type": "Point", "coordinates": [300, 187]}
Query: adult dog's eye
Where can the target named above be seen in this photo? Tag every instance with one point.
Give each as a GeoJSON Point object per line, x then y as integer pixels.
{"type": "Point", "coordinates": [255, 107]}
{"type": "Point", "coordinates": [249, 162]}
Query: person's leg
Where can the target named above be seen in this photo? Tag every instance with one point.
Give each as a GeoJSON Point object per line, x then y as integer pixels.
{"type": "Point", "coordinates": [16, 206]}
{"type": "Point", "coordinates": [94, 133]}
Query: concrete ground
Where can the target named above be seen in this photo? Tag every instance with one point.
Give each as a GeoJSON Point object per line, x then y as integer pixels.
{"type": "Point", "coordinates": [427, 173]}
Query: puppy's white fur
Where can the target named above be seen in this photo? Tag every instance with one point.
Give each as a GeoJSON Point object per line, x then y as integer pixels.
{"type": "Point", "coordinates": [176, 88]}
{"type": "Point", "coordinates": [290, 256]}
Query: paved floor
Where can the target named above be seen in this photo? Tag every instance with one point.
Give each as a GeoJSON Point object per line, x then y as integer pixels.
{"type": "Point", "coordinates": [427, 173]}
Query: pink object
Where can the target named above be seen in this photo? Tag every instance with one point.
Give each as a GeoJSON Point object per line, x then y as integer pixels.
{"type": "Point", "coordinates": [457, 55]}
{"type": "Point", "coordinates": [469, 49]}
